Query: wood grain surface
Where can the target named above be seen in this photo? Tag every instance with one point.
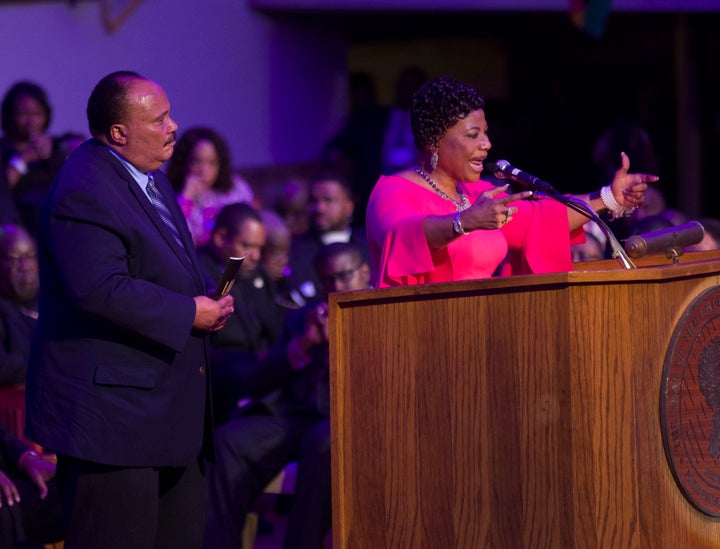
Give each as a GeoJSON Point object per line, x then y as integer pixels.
{"type": "Point", "coordinates": [517, 412]}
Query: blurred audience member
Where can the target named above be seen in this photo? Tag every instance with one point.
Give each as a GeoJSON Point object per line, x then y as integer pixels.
{"type": "Point", "coordinates": [593, 248]}
{"type": "Point", "coordinates": [202, 175]}
{"type": "Point", "coordinates": [399, 150]}
{"type": "Point", "coordinates": [711, 239]}
{"type": "Point", "coordinates": [30, 508]}
{"type": "Point", "coordinates": [674, 216]}
{"type": "Point", "coordinates": [9, 212]}
{"type": "Point", "coordinates": [19, 282]}
{"type": "Point", "coordinates": [331, 209]}
{"type": "Point", "coordinates": [289, 422]}
{"type": "Point", "coordinates": [356, 151]}
{"type": "Point", "coordinates": [652, 215]}
{"type": "Point", "coordinates": [257, 320]}
{"type": "Point", "coordinates": [65, 144]}
{"type": "Point", "coordinates": [292, 206]}
{"type": "Point", "coordinates": [276, 252]}
{"type": "Point", "coordinates": [28, 154]}
{"type": "Point", "coordinates": [624, 135]}
{"type": "Point", "coordinates": [654, 204]}
{"type": "Point", "coordinates": [276, 260]}
{"type": "Point", "coordinates": [649, 224]}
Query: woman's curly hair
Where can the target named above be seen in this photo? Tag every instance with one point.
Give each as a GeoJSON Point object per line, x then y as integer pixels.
{"type": "Point", "coordinates": [438, 105]}
{"type": "Point", "coordinates": [179, 163]}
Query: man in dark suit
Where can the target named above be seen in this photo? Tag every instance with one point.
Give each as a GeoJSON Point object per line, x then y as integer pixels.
{"type": "Point", "coordinates": [258, 319]}
{"type": "Point", "coordinates": [18, 301]}
{"type": "Point", "coordinates": [291, 422]}
{"type": "Point", "coordinates": [117, 381]}
{"type": "Point", "coordinates": [331, 208]}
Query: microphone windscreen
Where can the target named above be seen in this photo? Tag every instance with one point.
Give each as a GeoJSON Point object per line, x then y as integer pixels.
{"type": "Point", "coordinates": [490, 167]}
{"type": "Point", "coordinates": [664, 240]}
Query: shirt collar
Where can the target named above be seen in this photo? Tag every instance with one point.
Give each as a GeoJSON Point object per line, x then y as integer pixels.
{"type": "Point", "coordinates": [141, 178]}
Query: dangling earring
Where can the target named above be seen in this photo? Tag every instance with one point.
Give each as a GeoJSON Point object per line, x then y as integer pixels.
{"type": "Point", "coordinates": [434, 159]}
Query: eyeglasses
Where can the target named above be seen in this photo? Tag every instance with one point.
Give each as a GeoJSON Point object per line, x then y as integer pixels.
{"type": "Point", "coordinates": [17, 259]}
{"type": "Point", "coordinates": [342, 276]}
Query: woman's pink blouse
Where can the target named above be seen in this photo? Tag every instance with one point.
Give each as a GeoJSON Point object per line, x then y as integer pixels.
{"type": "Point", "coordinates": [537, 237]}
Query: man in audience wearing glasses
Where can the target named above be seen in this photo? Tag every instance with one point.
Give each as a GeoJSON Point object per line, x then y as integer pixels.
{"type": "Point", "coordinates": [290, 422]}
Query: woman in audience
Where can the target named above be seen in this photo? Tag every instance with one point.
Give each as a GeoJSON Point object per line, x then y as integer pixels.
{"type": "Point", "coordinates": [202, 175]}
{"type": "Point", "coordinates": [438, 222]}
{"type": "Point", "coordinates": [29, 156]}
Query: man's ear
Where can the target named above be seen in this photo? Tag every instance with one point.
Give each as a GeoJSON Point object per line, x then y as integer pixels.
{"type": "Point", "coordinates": [118, 134]}
{"type": "Point", "coordinates": [365, 273]}
{"type": "Point", "coordinates": [218, 238]}
{"type": "Point", "coordinates": [349, 209]}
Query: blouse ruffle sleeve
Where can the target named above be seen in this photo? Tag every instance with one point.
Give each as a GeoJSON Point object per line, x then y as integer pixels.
{"type": "Point", "coordinates": [405, 253]}
{"type": "Point", "coordinates": [539, 238]}
{"type": "Point", "coordinates": [398, 247]}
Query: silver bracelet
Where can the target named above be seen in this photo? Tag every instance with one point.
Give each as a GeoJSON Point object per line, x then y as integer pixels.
{"type": "Point", "coordinates": [616, 210]}
{"type": "Point", "coordinates": [457, 225]}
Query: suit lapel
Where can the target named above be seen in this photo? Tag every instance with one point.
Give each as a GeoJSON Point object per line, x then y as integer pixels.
{"type": "Point", "coordinates": [168, 195]}
{"type": "Point", "coordinates": [165, 189]}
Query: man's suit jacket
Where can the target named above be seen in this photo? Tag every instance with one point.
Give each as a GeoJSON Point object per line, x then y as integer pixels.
{"type": "Point", "coordinates": [303, 250]}
{"type": "Point", "coordinates": [16, 331]}
{"type": "Point", "coordinates": [116, 373]}
{"type": "Point", "coordinates": [258, 319]}
{"type": "Point", "coordinates": [282, 391]}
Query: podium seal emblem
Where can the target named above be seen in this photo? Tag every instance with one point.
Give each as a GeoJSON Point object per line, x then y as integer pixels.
{"type": "Point", "coordinates": [690, 403]}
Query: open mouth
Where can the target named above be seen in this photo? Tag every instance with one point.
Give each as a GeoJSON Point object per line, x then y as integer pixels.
{"type": "Point", "coordinates": [476, 165]}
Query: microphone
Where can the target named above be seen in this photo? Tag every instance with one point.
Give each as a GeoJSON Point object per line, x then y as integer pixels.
{"type": "Point", "coordinates": [502, 169]}
{"type": "Point", "coordinates": [670, 240]}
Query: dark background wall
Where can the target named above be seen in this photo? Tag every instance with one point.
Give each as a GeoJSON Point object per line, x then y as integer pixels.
{"type": "Point", "coordinates": [272, 75]}
{"type": "Point", "coordinates": [552, 89]}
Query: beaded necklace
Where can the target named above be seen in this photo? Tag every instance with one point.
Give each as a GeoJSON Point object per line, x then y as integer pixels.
{"type": "Point", "coordinates": [464, 203]}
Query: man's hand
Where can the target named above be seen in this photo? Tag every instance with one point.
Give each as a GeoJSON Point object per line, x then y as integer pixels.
{"type": "Point", "coordinates": [211, 315]}
{"type": "Point", "coordinates": [316, 325]}
{"type": "Point", "coordinates": [40, 469]}
{"type": "Point", "coordinates": [9, 494]}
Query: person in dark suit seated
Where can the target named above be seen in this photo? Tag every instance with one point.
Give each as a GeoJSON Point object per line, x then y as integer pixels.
{"type": "Point", "coordinates": [289, 423]}
{"type": "Point", "coordinates": [234, 351]}
{"type": "Point", "coordinates": [19, 280]}
{"type": "Point", "coordinates": [30, 510]}
{"type": "Point", "coordinates": [331, 208]}
{"type": "Point", "coordinates": [276, 260]}
{"type": "Point", "coordinates": [117, 379]}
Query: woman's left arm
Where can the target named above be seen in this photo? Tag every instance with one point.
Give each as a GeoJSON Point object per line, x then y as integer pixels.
{"type": "Point", "coordinates": [621, 197]}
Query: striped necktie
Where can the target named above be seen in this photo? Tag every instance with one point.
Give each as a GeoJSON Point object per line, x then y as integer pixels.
{"type": "Point", "coordinates": [157, 201]}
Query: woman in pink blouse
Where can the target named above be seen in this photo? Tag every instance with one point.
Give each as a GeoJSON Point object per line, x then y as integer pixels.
{"type": "Point", "coordinates": [202, 175]}
{"type": "Point", "coordinates": [438, 222]}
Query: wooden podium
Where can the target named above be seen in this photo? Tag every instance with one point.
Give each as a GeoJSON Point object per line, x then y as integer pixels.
{"type": "Point", "coordinates": [521, 412]}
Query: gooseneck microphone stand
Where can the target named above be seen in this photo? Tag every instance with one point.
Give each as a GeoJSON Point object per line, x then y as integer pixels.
{"type": "Point", "coordinates": [582, 207]}
{"type": "Point", "coordinates": [541, 188]}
